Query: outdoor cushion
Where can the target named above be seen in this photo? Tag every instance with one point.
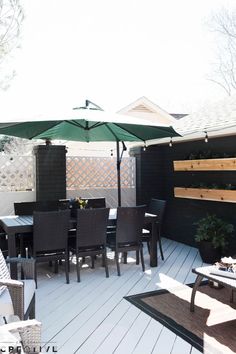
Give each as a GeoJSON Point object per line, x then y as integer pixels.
{"type": "Point", "coordinates": [6, 307]}
{"type": "Point", "coordinates": [29, 290]}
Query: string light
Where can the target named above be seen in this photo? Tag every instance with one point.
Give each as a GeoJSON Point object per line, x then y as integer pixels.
{"type": "Point", "coordinates": [170, 143]}
{"type": "Point", "coordinates": [145, 147]}
{"type": "Point", "coordinates": [206, 138]}
{"type": "Point", "coordinates": [111, 152]}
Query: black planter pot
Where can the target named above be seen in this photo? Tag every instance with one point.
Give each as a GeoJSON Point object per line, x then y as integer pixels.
{"type": "Point", "coordinates": [208, 253]}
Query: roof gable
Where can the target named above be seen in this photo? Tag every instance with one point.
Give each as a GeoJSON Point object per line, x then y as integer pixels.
{"type": "Point", "coordinates": [144, 108]}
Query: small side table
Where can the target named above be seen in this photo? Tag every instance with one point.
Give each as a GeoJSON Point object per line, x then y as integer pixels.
{"type": "Point", "coordinates": [205, 272]}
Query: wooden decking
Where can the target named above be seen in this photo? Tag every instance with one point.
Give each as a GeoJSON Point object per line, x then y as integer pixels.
{"type": "Point", "coordinates": [92, 316]}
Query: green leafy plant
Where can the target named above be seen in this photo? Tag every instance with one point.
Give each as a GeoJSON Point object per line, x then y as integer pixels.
{"type": "Point", "coordinates": [215, 230]}
{"type": "Point", "coordinates": [203, 185]}
{"type": "Point", "coordinates": [208, 154]}
{"type": "Point", "coordinates": [82, 202]}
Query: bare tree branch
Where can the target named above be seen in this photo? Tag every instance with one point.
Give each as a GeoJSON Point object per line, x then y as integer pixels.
{"type": "Point", "coordinates": [226, 89]}
{"type": "Point", "coordinates": [223, 24]}
{"type": "Point", "coordinates": [11, 17]}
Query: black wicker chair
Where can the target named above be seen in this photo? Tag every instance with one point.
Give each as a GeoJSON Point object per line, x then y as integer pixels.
{"type": "Point", "coordinates": [157, 207]}
{"type": "Point", "coordinates": [50, 237]}
{"type": "Point", "coordinates": [26, 240]}
{"type": "Point", "coordinates": [28, 208]}
{"type": "Point", "coordinates": [90, 237]}
{"type": "Point", "coordinates": [127, 237]}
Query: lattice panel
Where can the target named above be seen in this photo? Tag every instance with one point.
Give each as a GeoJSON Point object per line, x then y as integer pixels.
{"type": "Point", "coordinates": [99, 172]}
{"type": "Point", "coordinates": [17, 173]}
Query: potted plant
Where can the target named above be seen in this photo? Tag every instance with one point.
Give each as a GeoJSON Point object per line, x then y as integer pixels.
{"type": "Point", "coordinates": [213, 236]}
{"type": "Point", "coordinates": [77, 203]}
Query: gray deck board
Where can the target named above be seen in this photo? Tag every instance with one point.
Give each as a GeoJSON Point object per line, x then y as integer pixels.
{"type": "Point", "coordinates": [92, 316]}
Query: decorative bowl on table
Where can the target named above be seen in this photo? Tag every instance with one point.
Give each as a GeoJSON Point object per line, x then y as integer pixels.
{"type": "Point", "coordinates": [225, 268]}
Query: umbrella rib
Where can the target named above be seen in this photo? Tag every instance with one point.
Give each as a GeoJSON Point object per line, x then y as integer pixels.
{"type": "Point", "coordinates": [111, 131]}
{"type": "Point", "coordinates": [43, 132]}
{"type": "Point", "coordinates": [72, 122]}
{"type": "Point", "coordinates": [138, 137]}
{"type": "Point", "coordinates": [30, 137]}
{"type": "Point", "coordinates": [96, 124]}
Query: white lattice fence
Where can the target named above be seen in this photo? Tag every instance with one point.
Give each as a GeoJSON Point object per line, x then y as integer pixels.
{"type": "Point", "coordinates": [17, 173]}
{"type": "Point", "coordinates": [99, 172]}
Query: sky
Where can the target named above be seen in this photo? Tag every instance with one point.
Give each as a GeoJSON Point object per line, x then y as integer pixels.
{"type": "Point", "coordinates": [112, 52]}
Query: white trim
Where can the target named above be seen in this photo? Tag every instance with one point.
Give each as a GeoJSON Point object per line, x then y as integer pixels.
{"type": "Point", "coordinates": [155, 111]}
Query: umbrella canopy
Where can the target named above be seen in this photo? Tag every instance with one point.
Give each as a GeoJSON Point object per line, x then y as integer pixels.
{"type": "Point", "coordinates": [87, 125]}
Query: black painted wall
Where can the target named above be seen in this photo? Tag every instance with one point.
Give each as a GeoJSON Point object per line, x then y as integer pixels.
{"type": "Point", "coordinates": [50, 172]}
{"type": "Point", "coordinates": [156, 178]}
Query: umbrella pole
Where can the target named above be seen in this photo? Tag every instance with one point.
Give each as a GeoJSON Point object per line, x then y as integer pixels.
{"type": "Point", "coordinates": [118, 172]}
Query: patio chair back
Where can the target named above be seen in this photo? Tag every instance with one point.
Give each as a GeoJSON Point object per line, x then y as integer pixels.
{"type": "Point", "coordinates": [50, 230]}
{"type": "Point", "coordinates": [50, 238]}
{"type": "Point", "coordinates": [27, 208]}
{"type": "Point", "coordinates": [91, 226]}
{"type": "Point", "coordinates": [91, 236]}
{"type": "Point", "coordinates": [127, 236]}
{"type": "Point", "coordinates": [157, 207]}
{"type": "Point", "coordinates": [129, 224]}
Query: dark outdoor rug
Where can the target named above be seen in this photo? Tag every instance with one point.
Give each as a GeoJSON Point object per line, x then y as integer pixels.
{"type": "Point", "coordinates": [210, 329]}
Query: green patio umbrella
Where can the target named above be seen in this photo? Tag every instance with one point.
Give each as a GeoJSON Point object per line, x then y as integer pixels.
{"type": "Point", "coordinates": [87, 125]}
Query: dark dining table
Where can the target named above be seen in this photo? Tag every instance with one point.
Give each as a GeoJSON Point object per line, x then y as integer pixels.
{"type": "Point", "coordinates": [14, 224]}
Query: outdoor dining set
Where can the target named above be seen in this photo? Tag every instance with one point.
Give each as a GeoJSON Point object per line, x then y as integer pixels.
{"type": "Point", "coordinates": [52, 231]}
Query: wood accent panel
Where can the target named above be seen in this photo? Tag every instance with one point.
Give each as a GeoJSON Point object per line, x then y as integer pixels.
{"type": "Point", "coordinates": [219, 195]}
{"type": "Point", "coordinates": [224, 164]}
{"type": "Point", "coordinates": [156, 178]}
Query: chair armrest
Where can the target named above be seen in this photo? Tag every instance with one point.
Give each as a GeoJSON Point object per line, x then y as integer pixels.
{"type": "Point", "coordinates": [27, 265]}
{"type": "Point", "coordinates": [20, 260]}
{"type": "Point", "coordinates": [11, 283]}
{"type": "Point", "coordinates": [30, 333]}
